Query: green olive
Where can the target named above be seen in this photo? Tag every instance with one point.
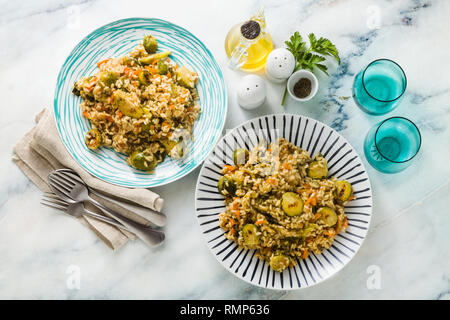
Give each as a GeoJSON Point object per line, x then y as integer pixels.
{"type": "Point", "coordinates": [279, 262]}
{"type": "Point", "coordinates": [140, 160]}
{"type": "Point", "coordinates": [328, 216]}
{"type": "Point", "coordinates": [144, 77]}
{"type": "Point", "coordinates": [240, 156]}
{"type": "Point", "coordinates": [125, 104]}
{"type": "Point", "coordinates": [93, 139]}
{"type": "Point", "coordinates": [161, 67]}
{"type": "Point", "coordinates": [150, 44]}
{"type": "Point", "coordinates": [250, 234]}
{"type": "Point", "coordinates": [343, 190]}
{"type": "Point", "coordinates": [292, 204]}
{"type": "Point", "coordinates": [317, 169]}
{"type": "Point", "coordinates": [226, 186]}
{"type": "Point", "coordinates": [108, 78]}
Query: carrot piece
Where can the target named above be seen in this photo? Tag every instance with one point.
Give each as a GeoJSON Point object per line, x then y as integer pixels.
{"type": "Point", "coordinates": [312, 199]}
{"type": "Point", "coordinates": [231, 232]}
{"type": "Point", "coordinates": [259, 222]}
{"type": "Point", "coordinates": [270, 181]}
{"type": "Point", "coordinates": [127, 71]}
{"type": "Point", "coordinates": [287, 166]}
{"type": "Point", "coordinates": [229, 168]}
{"type": "Point", "coordinates": [345, 224]}
{"type": "Point", "coordinates": [101, 62]}
{"type": "Point", "coordinates": [235, 205]}
{"type": "Point", "coordinates": [91, 83]}
{"type": "Point", "coordinates": [305, 254]}
{"type": "Point", "coordinates": [86, 114]}
{"type": "Point", "coordinates": [151, 69]}
{"type": "Point", "coordinates": [238, 214]}
{"type": "Point", "coordinates": [352, 197]}
{"type": "Point", "coordinates": [119, 114]}
{"type": "Point", "coordinates": [316, 216]}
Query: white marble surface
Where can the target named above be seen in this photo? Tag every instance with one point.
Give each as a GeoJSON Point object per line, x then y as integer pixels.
{"type": "Point", "coordinates": [410, 232]}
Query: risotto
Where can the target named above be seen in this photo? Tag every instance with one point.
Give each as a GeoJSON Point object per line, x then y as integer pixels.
{"type": "Point", "coordinates": [141, 104]}
{"type": "Point", "coordinates": [282, 203]}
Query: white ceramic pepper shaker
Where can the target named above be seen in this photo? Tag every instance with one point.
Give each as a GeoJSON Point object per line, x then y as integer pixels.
{"type": "Point", "coordinates": [279, 65]}
{"type": "Point", "coordinates": [251, 92]}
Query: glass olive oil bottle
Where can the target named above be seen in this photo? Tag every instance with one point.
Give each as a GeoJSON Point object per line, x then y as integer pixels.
{"type": "Point", "coordinates": [248, 44]}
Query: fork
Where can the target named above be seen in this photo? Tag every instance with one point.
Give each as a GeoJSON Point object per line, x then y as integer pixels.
{"type": "Point", "coordinates": [75, 191]}
{"type": "Point", "coordinates": [75, 209]}
{"type": "Point", "coordinates": [156, 218]}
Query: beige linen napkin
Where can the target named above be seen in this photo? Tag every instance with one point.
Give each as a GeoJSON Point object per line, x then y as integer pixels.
{"type": "Point", "coordinates": [41, 151]}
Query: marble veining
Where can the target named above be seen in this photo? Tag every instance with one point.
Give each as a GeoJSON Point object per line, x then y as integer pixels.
{"type": "Point", "coordinates": [407, 247]}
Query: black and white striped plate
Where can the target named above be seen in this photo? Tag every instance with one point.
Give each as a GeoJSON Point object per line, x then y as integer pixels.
{"type": "Point", "coordinates": [343, 162]}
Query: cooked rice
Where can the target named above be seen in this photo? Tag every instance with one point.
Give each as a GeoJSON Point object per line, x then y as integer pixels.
{"type": "Point", "coordinates": [261, 182]}
{"type": "Point", "coordinates": [168, 108]}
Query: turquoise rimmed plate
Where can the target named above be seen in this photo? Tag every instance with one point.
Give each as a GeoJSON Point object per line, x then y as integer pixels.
{"type": "Point", "coordinates": [116, 39]}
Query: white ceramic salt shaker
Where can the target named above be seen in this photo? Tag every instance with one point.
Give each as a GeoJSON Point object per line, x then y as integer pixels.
{"type": "Point", "coordinates": [279, 65]}
{"type": "Point", "coordinates": [251, 92]}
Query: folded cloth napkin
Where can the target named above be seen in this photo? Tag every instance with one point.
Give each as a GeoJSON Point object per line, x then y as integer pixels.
{"type": "Point", "coordinates": [41, 151]}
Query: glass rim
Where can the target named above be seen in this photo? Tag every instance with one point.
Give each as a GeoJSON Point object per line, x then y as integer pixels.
{"type": "Point", "coordinates": [415, 153]}
{"type": "Point", "coordinates": [401, 69]}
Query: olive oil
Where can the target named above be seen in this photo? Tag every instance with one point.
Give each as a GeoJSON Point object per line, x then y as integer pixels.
{"type": "Point", "coordinates": [248, 44]}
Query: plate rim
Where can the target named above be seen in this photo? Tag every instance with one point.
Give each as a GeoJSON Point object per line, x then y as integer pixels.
{"type": "Point", "coordinates": [88, 38]}
{"type": "Point", "coordinates": [204, 235]}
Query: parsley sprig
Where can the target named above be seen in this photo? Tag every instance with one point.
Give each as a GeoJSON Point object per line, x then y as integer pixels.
{"type": "Point", "coordinates": [312, 57]}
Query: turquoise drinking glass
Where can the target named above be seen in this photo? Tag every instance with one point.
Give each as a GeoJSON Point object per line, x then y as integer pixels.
{"type": "Point", "coordinates": [391, 145]}
{"type": "Point", "coordinates": [379, 88]}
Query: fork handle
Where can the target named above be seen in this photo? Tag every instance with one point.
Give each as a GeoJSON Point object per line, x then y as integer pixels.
{"type": "Point", "coordinates": [105, 219]}
{"type": "Point", "coordinates": [155, 217]}
{"type": "Point", "coordinates": [150, 236]}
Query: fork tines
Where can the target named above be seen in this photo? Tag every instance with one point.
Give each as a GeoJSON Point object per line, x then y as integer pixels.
{"type": "Point", "coordinates": [52, 200]}
{"type": "Point", "coordinates": [61, 184]}
{"type": "Point", "coordinates": [69, 174]}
